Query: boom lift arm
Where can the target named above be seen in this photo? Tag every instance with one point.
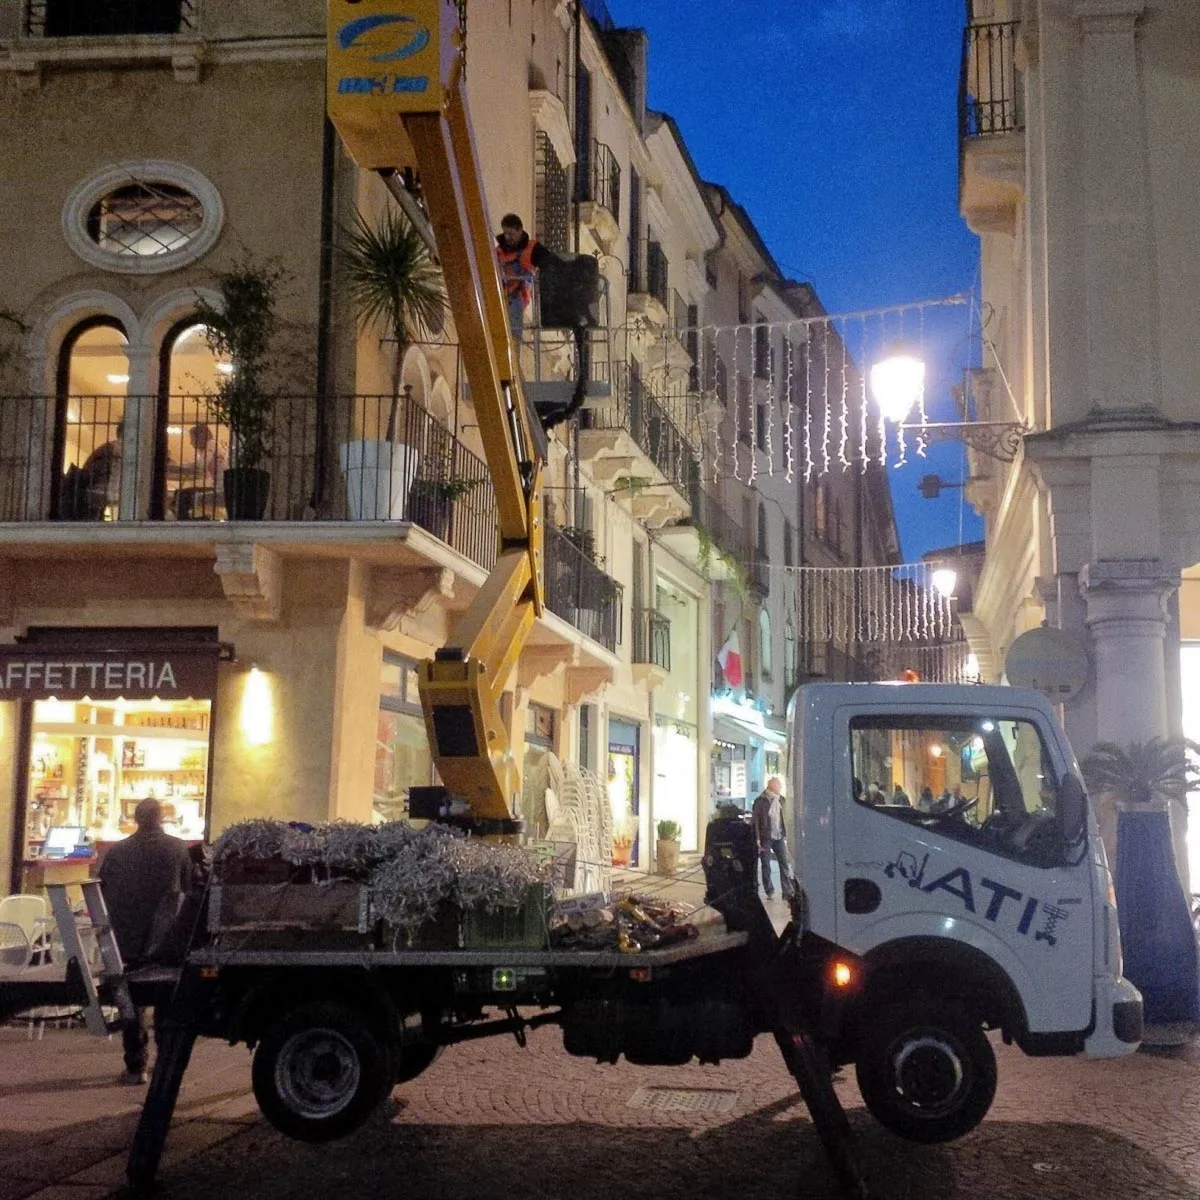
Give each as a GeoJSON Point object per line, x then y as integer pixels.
{"type": "Point", "coordinates": [397, 96]}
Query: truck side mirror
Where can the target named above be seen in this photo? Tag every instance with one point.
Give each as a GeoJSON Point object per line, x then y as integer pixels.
{"type": "Point", "coordinates": [1072, 816]}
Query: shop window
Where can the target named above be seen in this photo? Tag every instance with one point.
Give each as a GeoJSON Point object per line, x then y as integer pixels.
{"type": "Point", "coordinates": [729, 772]}
{"type": "Point", "coordinates": [90, 764]}
{"type": "Point", "coordinates": [93, 384]}
{"type": "Point", "coordinates": [402, 756]}
{"type": "Point", "coordinates": [192, 451]}
{"type": "Point", "coordinates": [624, 739]}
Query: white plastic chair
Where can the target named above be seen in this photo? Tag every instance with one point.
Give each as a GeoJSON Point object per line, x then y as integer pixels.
{"type": "Point", "coordinates": [29, 912]}
{"type": "Point", "coordinates": [16, 949]}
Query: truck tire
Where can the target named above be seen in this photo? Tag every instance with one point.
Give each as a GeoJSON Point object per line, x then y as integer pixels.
{"type": "Point", "coordinates": [319, 1071]}
{"type": "Point", "coordinates": [925, 1069]}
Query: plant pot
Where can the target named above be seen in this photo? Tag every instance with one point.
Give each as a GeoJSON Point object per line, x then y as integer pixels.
{"type": "Point", "coordinates": [666, 857]}
{"type": "Point", "coordinates": [1157, 939]}
{"type": "Point", "coordinates": [378, 476]}
{"type": "Point", "coordinates": [431, 510]}
{"type": "Point", "coordinates": [246, 490]}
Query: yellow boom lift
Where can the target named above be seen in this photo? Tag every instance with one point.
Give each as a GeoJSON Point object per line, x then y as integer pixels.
{"type": "Point", "coordinates": [397, 97]}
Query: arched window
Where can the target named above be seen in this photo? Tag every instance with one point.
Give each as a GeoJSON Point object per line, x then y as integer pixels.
{"type": "Point", "coordinates": [93, 382]}
{"type": "Point", "coordinates": [191, 447]}
{"type": "Point", "coordinates": [764, 643]}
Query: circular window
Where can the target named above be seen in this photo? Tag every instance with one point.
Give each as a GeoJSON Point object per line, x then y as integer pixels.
{"type": "Point", "coordinates": [142, 218]}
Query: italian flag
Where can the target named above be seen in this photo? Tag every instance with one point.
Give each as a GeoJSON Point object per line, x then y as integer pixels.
{"type": "Point", "coordinates": [730, 659]}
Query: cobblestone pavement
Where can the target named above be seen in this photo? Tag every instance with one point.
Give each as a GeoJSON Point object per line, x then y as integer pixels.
{"type": "Point", "coordinates": [490, 1119]}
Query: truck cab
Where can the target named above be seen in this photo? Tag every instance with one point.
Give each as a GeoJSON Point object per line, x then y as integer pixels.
{"type": "Point", "coordinates": [946, 850]}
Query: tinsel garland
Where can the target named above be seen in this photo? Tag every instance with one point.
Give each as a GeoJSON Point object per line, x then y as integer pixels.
{"type": "Point", "coordinates": [411, 873]}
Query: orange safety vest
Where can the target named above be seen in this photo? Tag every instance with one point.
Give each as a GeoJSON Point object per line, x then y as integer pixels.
{"type": "Point", "coordinates": [516, 268]}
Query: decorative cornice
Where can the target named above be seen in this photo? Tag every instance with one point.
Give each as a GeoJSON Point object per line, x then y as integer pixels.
{"type": "Point", "coordinates": [395, 594]}
{"type": "Point", "coordinates": [586, 681]}
{"type": "Point", "coordinates": [251, 577]}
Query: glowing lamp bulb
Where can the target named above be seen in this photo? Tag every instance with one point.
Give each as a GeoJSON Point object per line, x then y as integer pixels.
{"type": "Point", "coordinates": [843, 975]}
{"type": "Point", "coordinates": [944, 580]}
{"type": "Point", "coordinates": [897, 383]}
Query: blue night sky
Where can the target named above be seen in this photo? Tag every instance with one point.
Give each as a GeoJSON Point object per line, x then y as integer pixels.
{"type": "Point", "coordinates": [833, 123]}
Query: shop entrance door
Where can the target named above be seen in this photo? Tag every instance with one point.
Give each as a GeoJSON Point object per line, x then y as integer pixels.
{"type": "Point", "coordinates": [623, 771]}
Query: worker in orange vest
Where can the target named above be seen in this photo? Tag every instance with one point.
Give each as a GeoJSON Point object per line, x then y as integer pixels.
{"type": "Point", "coordinates": [519, 256]}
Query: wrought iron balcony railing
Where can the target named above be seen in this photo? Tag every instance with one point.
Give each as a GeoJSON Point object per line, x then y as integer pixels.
{"type": "Point", "coordinates": [152, 458]}
{"type": "Point", "coordinates": [989, 97]}
{"type": "Point", "coordinates": [652, 638]}
{"type": "Point", "coordinates": [600, 179]}
{"type": "Point", "coordinates": [579, 591]}
{"type": "Point", "coordinates": [108, 18]}
{"type": "Point", "coordinates": [651, 425]}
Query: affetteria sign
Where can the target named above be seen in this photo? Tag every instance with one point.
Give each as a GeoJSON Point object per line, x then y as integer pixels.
{"type": "Point", "coordinates": [26, 674]}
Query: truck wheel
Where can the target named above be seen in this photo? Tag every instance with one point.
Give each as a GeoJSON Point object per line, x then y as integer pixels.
{"type": "Point", "coordinates": [925, 1069]}
{"type": "Point", "coordinates": [319, 1071]}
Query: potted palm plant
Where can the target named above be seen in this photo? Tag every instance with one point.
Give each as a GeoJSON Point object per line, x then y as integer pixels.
{"type": "Point", "coordinates": [395, 285]}
{"type": "Point", "coordinates": [239, 330]}
{"type": "Point", "coordinates": [666, 854]}
{"type": "Point", "coordinates": [1143, 781]}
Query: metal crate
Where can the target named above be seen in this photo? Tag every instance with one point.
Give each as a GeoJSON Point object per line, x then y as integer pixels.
{"type": "Point", "coordinates": [523, 928]}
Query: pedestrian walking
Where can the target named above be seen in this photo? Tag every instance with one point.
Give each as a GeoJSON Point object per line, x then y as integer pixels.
{"type": "Point", "coordinates": [771, 833]}
{"type": "Point", "coordinates": [144, 878]}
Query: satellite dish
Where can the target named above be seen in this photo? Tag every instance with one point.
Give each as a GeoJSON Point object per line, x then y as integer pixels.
{"type": "Point", "coordinates": [1049, 661]}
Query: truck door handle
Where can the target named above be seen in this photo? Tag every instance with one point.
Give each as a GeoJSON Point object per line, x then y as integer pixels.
{"type": "Point", "coordinates": [861, 895]}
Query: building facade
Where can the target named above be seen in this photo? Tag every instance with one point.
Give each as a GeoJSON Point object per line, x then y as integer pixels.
{"type": "Point", "coordinates": [157, 639]}
{"type": "Point", "coordinates": [1078, 137]}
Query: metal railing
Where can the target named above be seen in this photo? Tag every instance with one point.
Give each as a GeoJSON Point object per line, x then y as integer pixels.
{"type": "Point", "coordinates": [120, 458]}
{"type": "Point", "coordinates": [651, 638]}
{"type": "Point", "coordinates": [552, 197]}
{"type": "Point", "coordinates": [580, 592]}
{"type": "Point", "coordinates": [989, 99]}
{"type": "Point", "coordinates": [108, 18]}
{"type": "Point", "coordinates": [652, 427]}
{"type": "Point", "coordinates": [600, 179]}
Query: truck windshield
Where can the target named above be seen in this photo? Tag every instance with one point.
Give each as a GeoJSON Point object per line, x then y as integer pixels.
{"type": "Point", "coordinates": [984, 780]}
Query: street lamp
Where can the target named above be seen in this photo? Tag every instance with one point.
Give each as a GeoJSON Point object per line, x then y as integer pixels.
{"type": "Point", "coordinates": [897, 383]}
{"type": "Point", "coordinates": [944, 580]}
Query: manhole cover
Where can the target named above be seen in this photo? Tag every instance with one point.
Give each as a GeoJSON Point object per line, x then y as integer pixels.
{"type": "Point", "coordinates": [692, 1101]}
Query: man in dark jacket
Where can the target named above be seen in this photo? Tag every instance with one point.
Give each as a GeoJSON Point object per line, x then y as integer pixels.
{"type": "Point", "coordinates": [144, 878]}
{"type": "Point", "coordinates": [771, 831]}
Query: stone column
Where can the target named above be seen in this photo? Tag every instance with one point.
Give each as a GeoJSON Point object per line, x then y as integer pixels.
{"type": "Point", "coordinates": [1127, 616]}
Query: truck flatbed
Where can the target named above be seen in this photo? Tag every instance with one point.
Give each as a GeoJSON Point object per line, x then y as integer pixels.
{"type": "Point", "coordinates": [710, 940]}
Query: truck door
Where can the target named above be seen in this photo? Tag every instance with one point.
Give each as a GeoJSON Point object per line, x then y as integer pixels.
{"type": "Point", "coordinates": [946, 825]}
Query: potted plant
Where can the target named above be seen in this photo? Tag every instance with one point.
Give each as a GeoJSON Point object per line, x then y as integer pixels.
{"type": "Point", "coordinates": [666, 855]}
{"type": "Point", "coordinates": [435, 490]}
{"type": "Point", "coordinates": [395, 284]}
{"type": "Point", "coordinates": [1157, 937]}
{"type": "Point", "coordinates": [240, 330]}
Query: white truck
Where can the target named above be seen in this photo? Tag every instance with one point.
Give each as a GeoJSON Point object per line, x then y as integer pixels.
{"type": "Point", "coordinates": [950, 861]}
{"type": "Point", "coordinates": [953, 882]}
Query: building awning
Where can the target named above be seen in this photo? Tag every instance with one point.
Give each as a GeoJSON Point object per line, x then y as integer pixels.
{"type": "Point", "coordinates": [731, 728]}
{"type": "Point", "coordinates": [48, 672]}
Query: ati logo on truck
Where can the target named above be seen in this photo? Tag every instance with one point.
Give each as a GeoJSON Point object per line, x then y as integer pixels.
{"type": "Point", "coordinates": [958, 883]}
